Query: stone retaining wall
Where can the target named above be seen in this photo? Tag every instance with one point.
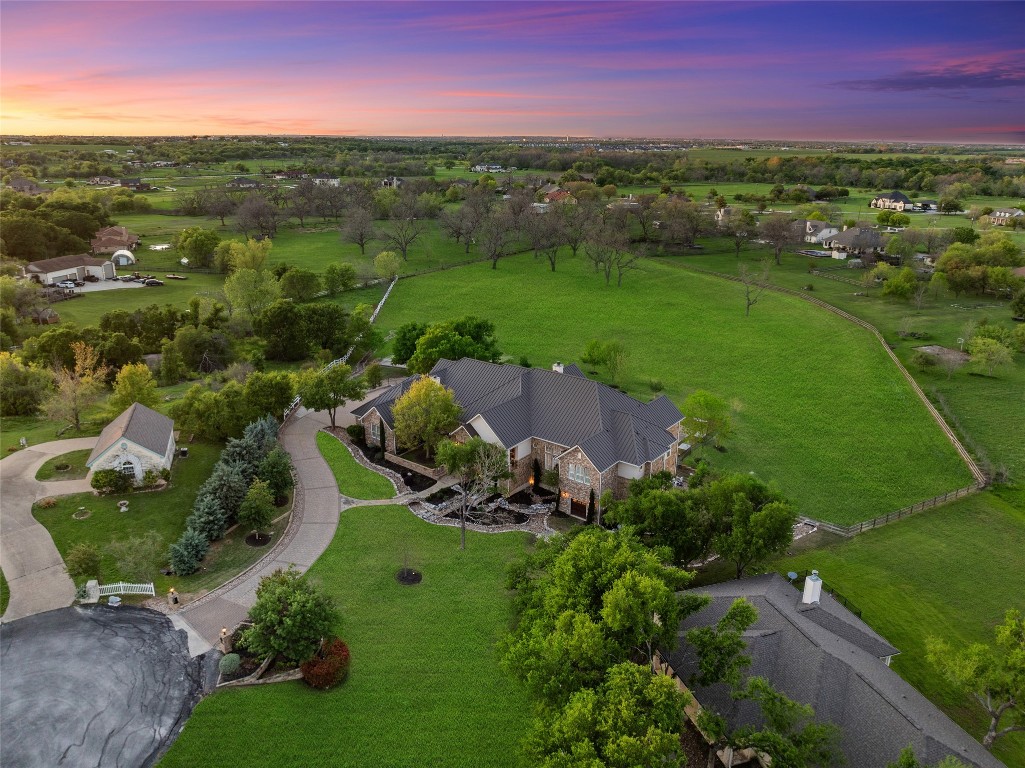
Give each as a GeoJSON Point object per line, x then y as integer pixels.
{"type": "Point", "coordinates": [420, 469]}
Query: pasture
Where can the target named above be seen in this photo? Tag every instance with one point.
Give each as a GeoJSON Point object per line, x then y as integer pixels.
{"type": "Point", "coordinates": [424, 688]}
{"type": "Point", "coordinates": [817, 405]}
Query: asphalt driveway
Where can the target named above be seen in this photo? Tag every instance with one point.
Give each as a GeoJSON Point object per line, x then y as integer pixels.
{"type": "Point", "coordinates": [94, 686]}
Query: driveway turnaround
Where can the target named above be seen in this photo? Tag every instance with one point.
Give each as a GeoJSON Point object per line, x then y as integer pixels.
{"type": "Point", "coordinates": [94, 686]}
{"type": "Point", "coordinates": [30, 561]}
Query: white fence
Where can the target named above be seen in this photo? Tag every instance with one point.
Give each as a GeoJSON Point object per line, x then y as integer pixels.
{"type": "Point", "coordinates": [123, 588]}
{"type": "Point", "coordinates": [294, 405]}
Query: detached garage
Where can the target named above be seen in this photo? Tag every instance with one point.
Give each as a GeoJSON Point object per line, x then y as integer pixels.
{"type": "Point", "coordinates": [69, 268]}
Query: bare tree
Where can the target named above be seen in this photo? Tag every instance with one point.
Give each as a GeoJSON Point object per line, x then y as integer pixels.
{"type": "Point", "coordinates": [456, 225]}
{"type": "Point", "coordinates": [217, 203]}
{"type": "Point", "coordinates": [779, 231]}
{"type": "Point", "coordinates": [681, 221]}
{"type": "Point", "coordinates": [256, 213]}
{"type": "Point", "coordinates": [544, 232]}
{"type": "Point", "coordinates": [607, 248]}
{"type": "Point", "coordinates": [755, 281]}
{"type": "Point", "coordinates": [330, 201]}
{"type": "Point", "coordinates": [302, 200]}
{"type": "Point", "coordinates": [495, 235]}
{"type": "Point", "coordinates": [575, 220]}
{"type": "Point", "coordinates": [359, 228]}
{"type": "Point", "coordinates": [406, 228]}
{"type": "Point", "coordinates": [645, 210]}
{"type": "Point", "coordinates": [740, 225]}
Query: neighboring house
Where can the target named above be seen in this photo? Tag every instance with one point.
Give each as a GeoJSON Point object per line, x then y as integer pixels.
{"type": "Point", "coordinates": [114, 239]}
{"type": "Point", "coordinates": [281, 175]}
{"type": "Point", "coordinates": [461, 183]}
{"type": "Point", "coordinates": [241, 182]}
{"type": "Point", "coordinates": [853, 241]}
{"type": "Point", "coordinates": [393, 182]}
{"type": "Point", "coordinates": [76, 267]}
{"type": "Point", "coordinates": [722, 215]}
{"type": "Point", "coordinates": [893, 201]}
{"type": "Point", "coordinates": [327, 180]}
{"type": "Point", "coordinates": [547, 189]}
{"type": "Point", "coordinates": [927, 205]}
{"type": "Point", "coordinates": [812, 231]}
{"type": "Point", "coordinates": [137, 441]}
{"type": "Point", "coordinates": [599, 438]}
{"type": "Point", "coordinates": [559, 196]}
{"type": "Point", "coordinates": [482, 168]}
{"type": "Point", "coordinates": [28, 187]}
{"type": "Point", "coordinates": [136, 185]}
{"type": "Point", "coordinates": [817, 652]}
{"type": "Point", "coordinates": [1001, 216]}
{"type": "Point", "coordinates": [106, 181]}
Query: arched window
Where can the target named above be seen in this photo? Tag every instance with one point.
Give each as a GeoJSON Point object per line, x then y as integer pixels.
{"type": "Point", "coordinates": [127, 468]}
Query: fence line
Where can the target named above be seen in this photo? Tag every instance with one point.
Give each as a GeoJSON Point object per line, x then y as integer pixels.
{"type": "Point", "coordinates": [980, 477]}
{"type": "Point", "coordinates": [825, 274]}
{"type": "Point", "coordinates": [123, 588]}
{"type": "Point", "coordinates": [294, 405]}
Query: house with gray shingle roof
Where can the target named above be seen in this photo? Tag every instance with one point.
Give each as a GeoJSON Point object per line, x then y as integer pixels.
{"type": "Point", "coordinates": [853, 241]}
{"type": "Point", "coordinates": [599, 438]}
{"type": "Point", "coordinates": [137, 441]}
{"type": "Point", "coordinates": [815, 651]}
{"type": "Point", "coordinates": [893, 201]}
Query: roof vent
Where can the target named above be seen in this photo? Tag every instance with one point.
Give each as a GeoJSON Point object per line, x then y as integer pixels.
{"type": "Point", "coordinates": [812, 589]}
{"type": "Point", "coordinates": [557, 367]}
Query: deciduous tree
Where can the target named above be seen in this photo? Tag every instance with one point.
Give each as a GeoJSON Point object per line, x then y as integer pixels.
{"type": "Point", "coordinates": [77, 387]}
{"type": "Point", "coordinates": [425, 414]}
{"type": "Point", "coordinates": [134, 384]}
{"type": "Point", "coordinates": [290, 617]}
{"type": "Point", "coordinates": [329, 389]}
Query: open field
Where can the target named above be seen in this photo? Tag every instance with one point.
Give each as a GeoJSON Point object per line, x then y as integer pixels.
{"type": "Point", "coordinates": [952, 573]}
{"type": "Point", "coordinates": [818, 406]}
{"type": "Point", "coordinates": [354, 480]}
{"type": "Point", "coordinates": [425, 687]}
{"type": "Point", "coordinates": [989, 412]}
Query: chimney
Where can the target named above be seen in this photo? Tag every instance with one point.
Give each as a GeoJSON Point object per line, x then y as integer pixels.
{"type": "Point", "coordinates": [557, 367]}
{"type": "Point", "coordinates": [812, 589]}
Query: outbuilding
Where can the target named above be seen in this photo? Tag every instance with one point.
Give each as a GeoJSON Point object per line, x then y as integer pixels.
{"type": "Point", "coordinates": [137, 441]}
{"type": "Point", "coordinates": [76, 267]}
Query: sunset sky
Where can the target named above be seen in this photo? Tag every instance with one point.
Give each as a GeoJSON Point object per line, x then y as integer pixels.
{"type": "Point", "coordinates": [913, 71]}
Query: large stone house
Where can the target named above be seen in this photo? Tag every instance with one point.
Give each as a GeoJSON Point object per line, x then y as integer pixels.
{"type": "Point", "coordinates": [853, 241]}
{"type": "Point", "coordinates": [137, 441]}
{"type": "Point", "coordinates": [812, 231]}
{"type": "Point", "coordinates": [816, 651]}
{"type": "Point", "coordinates": [113, 239]}
{"type": "Point", "coordinates": [893, 201]}
{"type": "Point", "coordinates": [1001, 216]}
{"type": "Point", "coordinates": [599, 438]}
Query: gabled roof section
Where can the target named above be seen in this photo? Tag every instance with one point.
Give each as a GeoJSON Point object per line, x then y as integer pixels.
{"type": "Point", "coordinates": [44, 266]}
{"type": "Point", "coordinates": [137, 424]}
{"type": "Point", "coordinates": [564, 408]}
{"type": "Point", "coordinates": [823, 655]}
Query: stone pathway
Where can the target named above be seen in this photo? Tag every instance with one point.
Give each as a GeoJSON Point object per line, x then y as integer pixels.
{"type": "Point", "coordinates": [29, 559]}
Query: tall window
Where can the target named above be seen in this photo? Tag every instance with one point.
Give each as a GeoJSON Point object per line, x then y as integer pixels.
{"type": "Point", "coordinates": [578, 474]}
{"type": "Point", "coordinates": [127, 468]}
{"type": "Point", "coordinates": [550, 453]}
{"type": "Point", "coordinates": [375, 430]}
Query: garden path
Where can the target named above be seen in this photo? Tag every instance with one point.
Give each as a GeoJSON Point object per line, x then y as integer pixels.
{"type": "Point", "coordinates": [29, 559]}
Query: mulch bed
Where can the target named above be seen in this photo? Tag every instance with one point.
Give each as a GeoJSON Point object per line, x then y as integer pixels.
{"type": "Point", "coordinates": [258, 539]}
{"type": "Point", "coordinates": [414, 480]}
{"type": "Point", "coordinates": [408, 577]}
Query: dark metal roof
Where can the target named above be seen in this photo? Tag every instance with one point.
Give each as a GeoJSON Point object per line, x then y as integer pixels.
{"type": "Point", "coordinates": [564, 408]}
{"type": "Point", "coordinates": [138, 424]}
{"type": "Point", "coordinates": [825, 656]}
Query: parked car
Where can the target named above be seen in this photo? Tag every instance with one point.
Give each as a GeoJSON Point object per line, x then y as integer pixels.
{"type": "Point", "coordinates": [92, 279]}
{"type": "Point", "coordinates": [69, 284]}
{"type": "Point", "coordinates": [152, 282]}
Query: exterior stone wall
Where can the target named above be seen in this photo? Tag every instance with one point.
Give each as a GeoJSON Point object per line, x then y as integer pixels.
{"type": "Point", "coordinates": [575, 490]}
{"type": "Point", "coordinates": [436, 473]}
{"type": "Point", "coordinates": [142, 461]}
{"type": "Point", "coordinates": [387, 434]}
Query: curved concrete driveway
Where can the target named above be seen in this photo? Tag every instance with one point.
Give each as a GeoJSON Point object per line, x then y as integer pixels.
{"type": "Point", "coordinates": [30, 561]}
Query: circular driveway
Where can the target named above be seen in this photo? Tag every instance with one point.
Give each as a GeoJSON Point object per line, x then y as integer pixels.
{"type": "Point", "coordinates": [94, 686]}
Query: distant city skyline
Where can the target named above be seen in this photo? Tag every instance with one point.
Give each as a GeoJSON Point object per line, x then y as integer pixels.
{"type": "Point", "coordinates": [832, 71]}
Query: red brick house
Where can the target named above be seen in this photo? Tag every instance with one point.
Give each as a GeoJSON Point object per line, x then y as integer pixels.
{"type": "Point", "coordinates": [599, 438]}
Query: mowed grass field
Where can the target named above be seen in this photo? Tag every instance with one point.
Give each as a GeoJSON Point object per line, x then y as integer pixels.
{"type": "Point", "coordinates": [951, 573]}
{"type": "Point", "coordinates": [818, 406]}
{"type": "Point", "coordinates": [988, 411]}
{"type": "Point", "coordinates": [424, 689]}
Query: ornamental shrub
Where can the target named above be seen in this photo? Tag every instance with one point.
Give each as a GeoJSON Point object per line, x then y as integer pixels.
{"type": "Point", "coordinates": [229, 664]}
{"type": "Point", "coordinates": [290, 617]}
{"type": "Point", "coordinates": [356, 432]}
{"type": "Point", "coordinates": [187, 553]}
{"type": "Point", "coordinates": [208, 517]}
{"type": "Point", "coordinates": [111, 481]}
{"type": "Point", "coordinates": [83, 562]}
{"type": "Point", "coordinates": [328, 667]}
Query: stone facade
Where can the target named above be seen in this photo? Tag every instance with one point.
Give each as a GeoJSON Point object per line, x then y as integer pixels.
{"type": "Point", "coordinates": [127, 456]}
{"type": "Point", "coordinates": [386, 435]}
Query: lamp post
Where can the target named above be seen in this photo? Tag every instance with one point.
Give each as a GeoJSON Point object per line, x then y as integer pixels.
{"type": "Point", "coordinates": [224, 639]}
{"type": "Point", "coordinates": [172, 597]}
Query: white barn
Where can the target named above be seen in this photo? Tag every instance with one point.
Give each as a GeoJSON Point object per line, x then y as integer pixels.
{"type": "Point", "coordinates": [77, 267]}
{"type": "Point", "coordinates": [138, 440]}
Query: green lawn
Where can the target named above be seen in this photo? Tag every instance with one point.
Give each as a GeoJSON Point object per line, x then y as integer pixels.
{"type": "Point", "coordinates": [425, 687]}
{"type": "Point", "coordinates": [37, 429]}
{"type": "Point", "coordinates": [76, 470]}
{"type": "Point", "coordinates": [161, 511]}
{"type": "Point", "coordinates": [951, 572]}
{"type": "Point", "coordinates": [354, 480]}
{"type": "Point", "coordinates": [818, 406]}
{"type": "Point", "coordinates": [5, 593]}
{"type": "Point", "coordinates": [989, 412]}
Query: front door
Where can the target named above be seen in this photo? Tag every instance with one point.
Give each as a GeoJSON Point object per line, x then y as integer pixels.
{"type": "Point", "coordinates": [578, 508]}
